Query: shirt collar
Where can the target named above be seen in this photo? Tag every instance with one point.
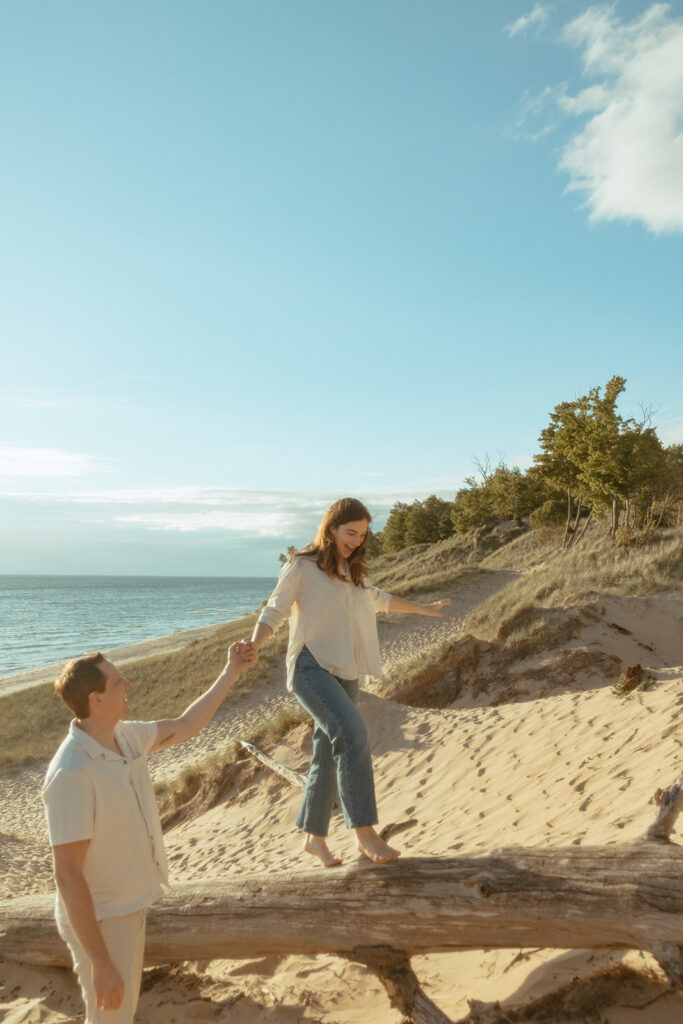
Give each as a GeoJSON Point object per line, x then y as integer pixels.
{"type": "Point", "coordinates": [90, 746]}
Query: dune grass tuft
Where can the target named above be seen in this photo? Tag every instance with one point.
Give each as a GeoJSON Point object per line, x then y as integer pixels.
{"type": "Point", "coordinates": [425, 568]}
{"type": "Point", "coordinates": [564, 578]}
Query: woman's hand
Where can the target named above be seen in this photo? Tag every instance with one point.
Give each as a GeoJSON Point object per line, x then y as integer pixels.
{"type": "Point", "coordinates": [436, 608]}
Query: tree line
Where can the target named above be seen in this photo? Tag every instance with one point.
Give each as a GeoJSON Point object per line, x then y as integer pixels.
{"type": "Point", "coordinates": [593, 465]}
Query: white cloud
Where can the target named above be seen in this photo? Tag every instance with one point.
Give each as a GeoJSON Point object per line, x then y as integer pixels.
{"type": "Point", "coordinates": [538, 113]}
{"type": "Point", "coordinates": [185, 497]}
{"type": "Point", "coordinates": [19, 461]}
{"type": "Point", "coordinates": [536, 18]}
{"type": "Point", "coordinates": [281, 514]}
{"type": "Point", "coordinates": [260, 524]}
{"type": "Point", "coordinates": [628, 158]}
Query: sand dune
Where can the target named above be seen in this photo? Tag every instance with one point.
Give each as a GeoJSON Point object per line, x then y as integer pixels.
{"type": "Point", "coordinates": [577, 765]}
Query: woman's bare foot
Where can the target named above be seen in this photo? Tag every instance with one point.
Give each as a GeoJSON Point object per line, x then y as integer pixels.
{"type": "Point", "coordinates": [372, 846]}
{"type": "Point", "coordinates": [319, 848]}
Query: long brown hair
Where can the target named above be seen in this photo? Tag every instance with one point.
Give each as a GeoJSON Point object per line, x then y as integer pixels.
{"type": "Point", "coordinates": [324, 549]}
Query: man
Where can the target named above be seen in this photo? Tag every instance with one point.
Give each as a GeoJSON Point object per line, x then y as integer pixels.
{"type": "Point", "coordinates": [103, 822]}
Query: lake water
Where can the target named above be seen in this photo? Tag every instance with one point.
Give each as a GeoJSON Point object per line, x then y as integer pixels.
{"type": "Point", "coordinates": [46, 619]}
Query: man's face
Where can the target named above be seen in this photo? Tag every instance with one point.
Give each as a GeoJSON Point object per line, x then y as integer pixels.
{"type": "Point", "coordinates": [111, 703]}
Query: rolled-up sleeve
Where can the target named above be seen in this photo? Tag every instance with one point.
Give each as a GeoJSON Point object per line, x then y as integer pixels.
{"type": "Point", "coordinates": [283, 597]}
{"type": "Point", "coordinates": [380, 599]}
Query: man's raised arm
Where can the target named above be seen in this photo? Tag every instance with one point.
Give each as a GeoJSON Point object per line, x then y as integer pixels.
{"type": "Point", "coordinates": [193, 719]}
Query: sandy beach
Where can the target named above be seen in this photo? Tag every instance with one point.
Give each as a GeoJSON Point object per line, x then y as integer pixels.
{"type": "Point", "coordinates": [562, 760]}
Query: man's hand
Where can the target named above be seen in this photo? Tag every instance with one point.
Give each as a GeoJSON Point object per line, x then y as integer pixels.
{"type": "Point", "coordinates": [171, 731]}
{"type": "Point", "coordinates": [108, 985]}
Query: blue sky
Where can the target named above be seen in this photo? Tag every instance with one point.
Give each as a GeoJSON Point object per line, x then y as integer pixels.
{"type": "Point", "coordinates": [257, 255]}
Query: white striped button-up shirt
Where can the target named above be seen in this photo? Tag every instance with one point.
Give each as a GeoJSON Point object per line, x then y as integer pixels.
{"type": "Point", "coordinates": [333, 619]}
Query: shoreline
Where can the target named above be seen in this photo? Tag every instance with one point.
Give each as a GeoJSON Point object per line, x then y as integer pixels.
{"type": "Point", "coordinates": [29, 677]}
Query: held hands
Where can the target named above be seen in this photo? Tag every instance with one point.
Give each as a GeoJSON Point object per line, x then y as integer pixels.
{"type": "Point", "coordinates": [108, 985]}
{"type": "Point", "coordinates": [241, 655]}
{"type": "Point", "coordinates": [435, 609]}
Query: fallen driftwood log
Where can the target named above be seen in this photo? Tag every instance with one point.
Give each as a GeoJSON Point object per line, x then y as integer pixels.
{"type": "Point", "coordinates": [626, 897]}
{"type": "Point", "coordinates": [614, 897]}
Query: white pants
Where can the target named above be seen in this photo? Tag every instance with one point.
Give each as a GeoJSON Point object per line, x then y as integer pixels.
{"type": "Point", "coordinates": [124, 937]}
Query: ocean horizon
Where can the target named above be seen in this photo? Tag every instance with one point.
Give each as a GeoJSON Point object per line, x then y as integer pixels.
{"type": "Point", "coordinates": [46, 618]}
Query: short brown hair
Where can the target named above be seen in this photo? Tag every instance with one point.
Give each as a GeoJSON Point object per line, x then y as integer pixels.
{"type": "Point", "coordinates": [79, 679]}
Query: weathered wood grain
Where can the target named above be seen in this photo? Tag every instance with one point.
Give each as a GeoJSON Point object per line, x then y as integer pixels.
{"type": "Point", "coordinates": [628, 897]}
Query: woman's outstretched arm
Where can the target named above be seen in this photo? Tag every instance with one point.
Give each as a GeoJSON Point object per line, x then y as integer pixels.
{"type": "Point", "coordinates": [262, 632]}
{"type": "Point", "coordinates": [435, 609]}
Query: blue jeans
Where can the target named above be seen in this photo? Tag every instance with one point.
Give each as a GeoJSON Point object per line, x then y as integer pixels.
{"type": "Point", "coordinates": [341, 759]}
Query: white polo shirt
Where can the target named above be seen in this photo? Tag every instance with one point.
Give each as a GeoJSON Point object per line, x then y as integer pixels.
{"type": "Point", "coordinates": [92, 793]}
{"type": "Point", "coordinates": [334, 619]}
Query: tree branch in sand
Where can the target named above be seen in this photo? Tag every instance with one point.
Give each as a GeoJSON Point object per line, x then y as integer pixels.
{"type": "Point", "coordinates": [670, 802]}
{"type": "Point", "coordinates": [393, 969]}
{"type": "Point", "coordinates": [296, 778]}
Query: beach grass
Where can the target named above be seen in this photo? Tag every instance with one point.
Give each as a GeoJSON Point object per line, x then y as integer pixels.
{"type": "Point", "coordinates": [531, 612]}
{"type": "Point", "coordinates": [427, 568]}
{"type": "Point", "coordinates": [556, 594]}
{"type": "Point", "coordinates": [33, 721]}
{"type": "Point", "coordinates": [595, 568]}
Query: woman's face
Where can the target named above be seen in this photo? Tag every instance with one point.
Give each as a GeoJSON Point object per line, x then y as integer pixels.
{"type": "Point", "coordinates": [350, 536]}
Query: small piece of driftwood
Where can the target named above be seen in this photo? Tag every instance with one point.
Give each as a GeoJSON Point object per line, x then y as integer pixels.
{"type": "Point", "coordinates": [670, 803]}
{"type": "Point", "coordinates": [296, 778]}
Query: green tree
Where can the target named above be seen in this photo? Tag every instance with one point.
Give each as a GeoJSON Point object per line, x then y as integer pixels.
{"type": "Point", "coordinates": [503, 493]}
{"type": "Point", "coordinates": [608, 466]}
{"type": "Point", "coordinates": [394, 533]}
{"type": "Point", "coordinates": [428, 521]}
{"type": "Point", "coordinates": [374, 544]}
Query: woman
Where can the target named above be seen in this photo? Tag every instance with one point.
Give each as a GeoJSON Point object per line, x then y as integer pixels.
{"type": "Point", "coordinates": [333, 641]}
